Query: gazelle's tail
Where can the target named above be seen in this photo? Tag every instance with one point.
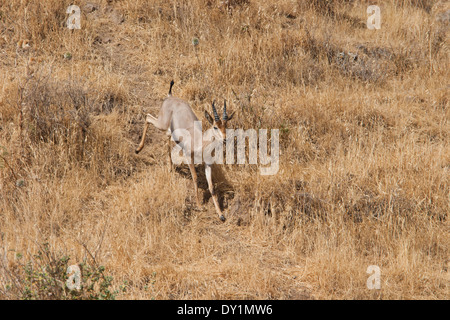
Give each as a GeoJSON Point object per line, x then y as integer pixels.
{"type": "Point", "coordinates": [170, 90]}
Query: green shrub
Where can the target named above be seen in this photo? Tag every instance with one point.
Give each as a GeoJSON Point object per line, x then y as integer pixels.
{"type": "Point", "coordinates": [47, 277]}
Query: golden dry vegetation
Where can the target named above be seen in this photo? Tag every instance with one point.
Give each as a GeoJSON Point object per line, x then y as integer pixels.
{"type": "Point", "coordinates": [364, 146]}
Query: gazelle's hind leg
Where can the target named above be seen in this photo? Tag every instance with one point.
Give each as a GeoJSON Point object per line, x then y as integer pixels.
{"type": "Point", "coordinates": [211, 189]}
{"type": "Point", "coordinates": [163, 120]}
{"type": "Point", "coordinates": [161, 123]}
{"type": "Point", "coordinates": [141, 145]}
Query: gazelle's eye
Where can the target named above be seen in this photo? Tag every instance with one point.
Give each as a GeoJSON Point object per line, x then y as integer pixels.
{"type": "Point", "coordinates": [215, 128]}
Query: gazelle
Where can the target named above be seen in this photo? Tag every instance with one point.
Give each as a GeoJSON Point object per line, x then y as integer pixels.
{"type": "Point", "coordinates": [176, 114]}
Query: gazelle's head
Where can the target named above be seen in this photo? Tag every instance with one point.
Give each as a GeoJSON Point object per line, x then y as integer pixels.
{"type": "Point", "coordinates": [219, 126]}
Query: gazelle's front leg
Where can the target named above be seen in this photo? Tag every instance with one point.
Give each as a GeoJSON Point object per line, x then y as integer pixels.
{"type": "Point", "coordinates": [211, 189]}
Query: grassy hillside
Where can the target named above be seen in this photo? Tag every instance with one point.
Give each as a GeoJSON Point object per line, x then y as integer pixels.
{"type": "Point", "coordinates": [364, 124]}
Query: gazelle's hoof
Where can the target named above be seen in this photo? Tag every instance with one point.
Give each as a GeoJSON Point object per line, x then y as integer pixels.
{"type": "Point", "coordinates": [222, 218]}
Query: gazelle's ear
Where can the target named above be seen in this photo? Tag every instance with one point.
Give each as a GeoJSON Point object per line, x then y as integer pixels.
{"type": "Point", "coordinates": [231, 115]}
{"type": "Point", "coordinates": [208, 117]}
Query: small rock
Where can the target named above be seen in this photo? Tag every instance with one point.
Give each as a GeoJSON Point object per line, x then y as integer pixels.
{"type": "Point", "coordinates": [20, 183]}
{"type": "Point", "coordinates": [117, 17]}
{"type": "Point", "coordinates": [90, 7]}
{"type": "Point", "coordinates": [444, 17]}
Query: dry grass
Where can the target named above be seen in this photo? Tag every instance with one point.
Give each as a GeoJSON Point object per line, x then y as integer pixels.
{"type": "Point", "coordinates": [365, 146]}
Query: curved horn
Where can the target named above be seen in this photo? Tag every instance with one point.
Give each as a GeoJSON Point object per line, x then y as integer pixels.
{"type": "Point", "coordinates": [225, 117]}
{"type": "Point", "coordinates": [216, 116]}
